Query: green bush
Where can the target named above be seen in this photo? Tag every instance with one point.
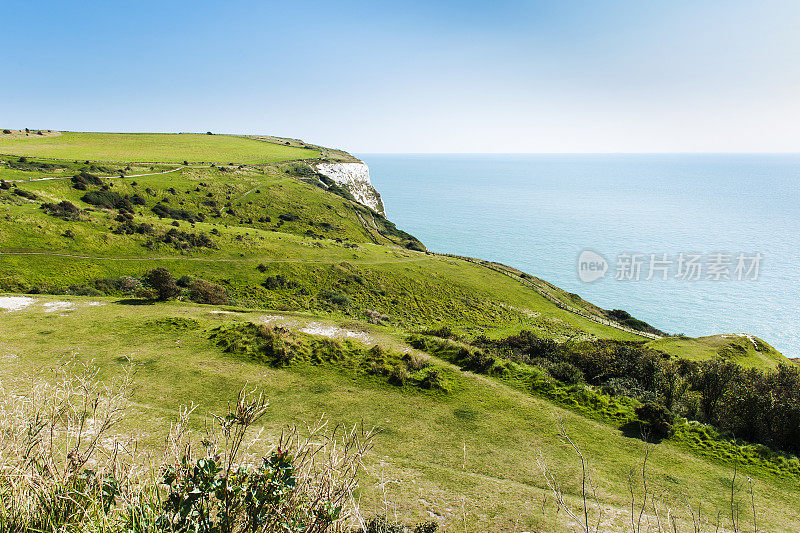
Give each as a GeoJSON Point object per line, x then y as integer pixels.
{"type": "Point", "coordinates": [565, 372]}
{"type": "Point", "coordinates": [83, 179]}
{"type": "Point", "coordinates": [165, 211]}
{"type": "Point", "coordinates": [205, 292]}
{"type": "Point", "coordinates": [656, 420]}
{"type": "Point", "coordinates": [336, 298]}
{"type": "Point", "coordinates": [108, 200]}
{"type": "Point", "coordinates": [161, 281]}
{"type": "Point", "coordinates": [25, 194]}
{"type": "Point", "coordinates": [65, 210]}
{"type": "Point", "coordinates": [278, 281]}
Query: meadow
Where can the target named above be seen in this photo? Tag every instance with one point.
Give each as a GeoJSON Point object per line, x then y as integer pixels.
{"type": "Point", "coordinates": [321, 301]}
{"type": "Point", "coordinates": [153, 147]}
{"type": "Point", "coordinates": [467, 457]}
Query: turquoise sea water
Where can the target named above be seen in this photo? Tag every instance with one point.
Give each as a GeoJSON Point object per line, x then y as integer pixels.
{"type": "Point", "coordinates": [538, 212]}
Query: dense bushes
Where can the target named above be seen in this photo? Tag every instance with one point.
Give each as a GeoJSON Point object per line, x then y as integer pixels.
{"type": "Point", "coordinates": [624, 318]}
{"type": "Point", "coordinates": [108, 200]}
{"type": "Point", "coordinates": [280, 347]}
{"type": "Point", "coordinates": [278, 281]}
{"type": "Point", "coordinates": [25, 194]}
{"type": "Point", "coordinates": [334, 297]}
{"type": "Point", "coordinates": [528, 377]}
{"type": "Point", "coordinates": [182, 240]}
{"type": "Point", "coordinates": [205, 292]}
{"type": "Point", "coordinates": [83, 179]}
{"type": "Point", "coordinates": [65, 210]}
{"type": "Point", "coordinates": [161, 281]}
{"type": "Point", "coordinates": [760, 406]}
{"type": "Point", "coordinates": [165, 211]}
{"type": "Point", "coordinates": [656, 420]}
{"type": "Point", "coordinates": [128, 227]}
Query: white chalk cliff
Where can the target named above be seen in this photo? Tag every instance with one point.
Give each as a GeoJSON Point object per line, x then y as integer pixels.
{"type": "Point", "coordinates": [355, 178]}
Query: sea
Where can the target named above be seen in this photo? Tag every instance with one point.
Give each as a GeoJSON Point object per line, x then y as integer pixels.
{"type": "Point", "coordinates": [697, 244]}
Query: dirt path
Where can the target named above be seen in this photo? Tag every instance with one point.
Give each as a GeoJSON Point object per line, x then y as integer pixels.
{"type": "Point", "coordinates": [223, 259]}
{"type": "Point", "coordinates": [102, 177]}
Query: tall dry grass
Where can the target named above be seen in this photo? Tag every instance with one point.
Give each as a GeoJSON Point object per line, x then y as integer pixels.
{"type": "Point", "coordinates": [64, 466]}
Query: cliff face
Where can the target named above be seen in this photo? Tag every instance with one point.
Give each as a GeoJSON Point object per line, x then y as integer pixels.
{"type": "Point", "coordinates": [355, 178]}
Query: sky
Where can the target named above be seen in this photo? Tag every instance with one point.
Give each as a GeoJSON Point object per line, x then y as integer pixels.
{"type": "Point", "coordinates": [480, 77]}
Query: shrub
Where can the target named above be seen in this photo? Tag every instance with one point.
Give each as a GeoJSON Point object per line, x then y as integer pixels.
{"type": "Point", "coordinates": [288, 217]}
{"type": "Point", "coordinates": [278, 281]}
{"type": "Point", "coordinates": [416, 246]}
{"type": "Point", "coordinates": [443, 332]}
{"type": "Point", "coordinates": [161, 281]}
{"type": "Point", "coordinates": [64, 210]}
{"type": "Point", "coordinates": [56, 477]}
{"type": "Point", "coordinates": [399, 375]}
{"type": "Point", "coordinates": [336, 298]}
{"type": "Point", "coordinates": [83, 179]}
{"type": "Point", "coordinates": [433, 380]}
{"type": "Point", "coordinates": [205, 292]}
{"type": "Point", "coordinates": [146, 293]}
{"type": "Point", "coordinates": [565, 372]}
{"type": "Point", "coordinates": [625, 318]}
{"type": "Point", "coordinates": [656, 420]}
{"type": "Point", "coordinates": [182, 240]}
{"type": "Point", "coordinates": [164, 211]}
{"type": "Point", "coordinates": [26, 194]}
{"type": "Point", "coordinates": [107, 199]}
{"type": "Point", "coordinates": [82, 290]}
{"type": "Point", "coordinates": [137, 200]}
{"type": "Point", "coordinates": [125, 285]}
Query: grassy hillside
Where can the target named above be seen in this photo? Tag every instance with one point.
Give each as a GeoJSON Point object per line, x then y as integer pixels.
{"type": "Point", "coordinates": [152, 147]}
{"type": "Point", "coordinates": [746, 350]}
{"type": "Point", "coordinates": [471, 449]}
{"type": "Point", "coordinates": [348, 293]}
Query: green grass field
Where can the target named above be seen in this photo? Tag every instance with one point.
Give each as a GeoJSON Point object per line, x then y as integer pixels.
{"type": "Point", "coordinates": [472, 451]}
{"type": "Point", "coordinates": [153, 147]}
{"type": "Point", "coordinates": [746, 351]}
{"type": "Point", "coordinates": [465, 456]}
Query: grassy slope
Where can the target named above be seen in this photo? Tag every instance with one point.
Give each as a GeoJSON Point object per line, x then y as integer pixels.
{"type": "Point", "coordinates": [737, 348]}
{"type": "Point", "coordinates": [153, 147]}
{"type": "Point", "coordinates": [425, 435]}
{"type": "Point", "coordinates": [415, 288]}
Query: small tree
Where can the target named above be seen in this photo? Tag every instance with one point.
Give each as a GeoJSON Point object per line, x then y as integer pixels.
{"type": "Point", "coordinates": [205, 292]}
{"type": "Point", "coordinates": [162, 282]}
{"type": "Point", "coordinates": [656, 420]}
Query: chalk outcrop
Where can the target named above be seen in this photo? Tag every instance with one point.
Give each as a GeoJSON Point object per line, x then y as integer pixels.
{"type": "Point", "coordinates": [355, 178]}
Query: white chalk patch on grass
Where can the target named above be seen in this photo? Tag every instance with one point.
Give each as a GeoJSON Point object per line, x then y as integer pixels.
{"type": "Point", "coordinates": [52, 307]}
{"type": "Point", "coordinates": [269, 319]}
{"type": "Point", "coordinates": [333, 332]}
{"type": "Point", "coordinates": [15, 303]}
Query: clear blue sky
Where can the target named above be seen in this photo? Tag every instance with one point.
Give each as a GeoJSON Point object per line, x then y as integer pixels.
{"type": "Point", "coordinates": [557, 76]}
